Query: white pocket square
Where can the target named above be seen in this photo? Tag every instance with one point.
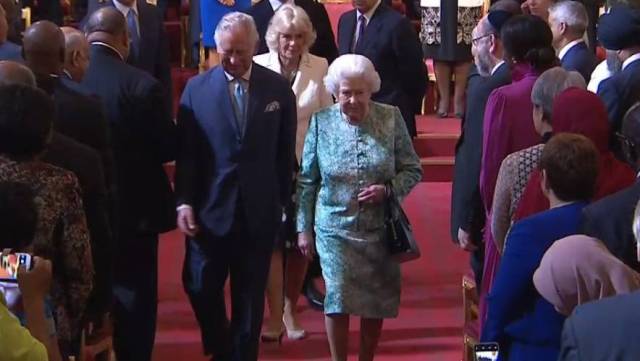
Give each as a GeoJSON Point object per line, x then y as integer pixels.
{"type": "Point", "coordinates": [272, 107]}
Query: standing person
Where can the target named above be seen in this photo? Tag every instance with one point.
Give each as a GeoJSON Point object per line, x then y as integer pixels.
{"type": "Point", "coordinates": [446, 38]}
{"type": "Point", "coordinates": [388, 39]}
{"type": "Point", "coordinates": [237, 129]}
{"type": "Point", "coordinates": [289, 37]}
{"type": "Point", "coordinates": [143, 138]}
{"type": "Point", "coordinates": [568, 21]}
{"type": "Point", "coordinates": [8, 49]}
{"type": "Point", "coordinates": [507, 125]}
{"type": "Point", "coordinates": [207, 14]}
{"type": "Point", "coordinates": [488, 73]}
{"type": "Point", "coordinates": [325, 44]}
{"type": "Point", "coordinates": [354, 153]}
{"type": "Point", "coordinates": [76, 56]}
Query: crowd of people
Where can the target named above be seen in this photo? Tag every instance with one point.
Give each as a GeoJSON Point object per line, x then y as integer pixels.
{"type": "Point", "coordinates": [288, 150]}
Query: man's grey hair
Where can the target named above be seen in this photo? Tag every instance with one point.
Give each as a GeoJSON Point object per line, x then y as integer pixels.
{"type": "Point", "coordinates": [573, 14]}
{"type": "Point", "coordinates": [351, 66]}
{"type": "Point", "coordinates": [12, 73]}
{"type": "Point", "coordinates": [237, 20]}
{"type": "Point", "coordinates": [551, 83]}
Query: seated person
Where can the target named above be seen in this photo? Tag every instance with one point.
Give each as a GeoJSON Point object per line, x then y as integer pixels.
{"type": "Point", "coordinates": [18, 219]}
{"type": "Point", "coordinates": [579, 269]}
{"type": "Point", "coordinates": [524, 324]}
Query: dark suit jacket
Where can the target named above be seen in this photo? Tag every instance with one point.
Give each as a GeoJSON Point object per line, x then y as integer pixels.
{"type": "Point", "coordinates": [216, 166]}
{"type": "Point", "coordinates": [619, 93]}
{"type": "Point", "coordinates": [85, 163]}
{"type": "Point", "coordinates": [581, 59]}
{"type": "Point", "coordinates": [45, 10]}
{"type": "Point", "coordinates": [11, 51]}
{"type": "Point", "coordinates": [603, 331]}
{"type": "Point", "coordinates": [527, 326]}
{"type": "Point", "coordinates": [142, 136]}
{"type": "Point", "coordinates": [324, 46]}
{"type": "Point", "coordinates": [153, 55]}
{"type": "Point", "coordinates": [610, 220]}
{"type": "Point", "coordinates": [391, 43]}
{"type": "Point", "coordinates": [467, 210]}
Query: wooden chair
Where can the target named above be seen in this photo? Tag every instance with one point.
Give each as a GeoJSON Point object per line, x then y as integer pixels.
{"type": "Point", "coordinates": [470, 307]}
{"type": "Point", "coordinates": [26, 16]}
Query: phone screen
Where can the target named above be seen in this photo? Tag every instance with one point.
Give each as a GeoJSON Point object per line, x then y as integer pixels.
{"type": "Point", "coordinates": [9, 264]}
{"type": "Point", "coordinates": [486, 352]}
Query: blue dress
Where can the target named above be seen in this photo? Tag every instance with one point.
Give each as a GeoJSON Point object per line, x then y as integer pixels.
{"type": "Point", "coordinates": [211, 11]}
{"type": "Point", "coordinates": [339, 159]}
{"type": "Point", "coordinates": [526, 326]}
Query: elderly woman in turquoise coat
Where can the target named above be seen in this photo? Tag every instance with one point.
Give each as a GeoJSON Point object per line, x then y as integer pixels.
{"type": "Point", "coordinates": [353, 152]}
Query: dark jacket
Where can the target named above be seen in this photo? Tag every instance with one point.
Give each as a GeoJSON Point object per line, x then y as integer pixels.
{"type": "Point", "coordinates": [581, 59]}
{"type": "Point", "coordinates": [391, 43]}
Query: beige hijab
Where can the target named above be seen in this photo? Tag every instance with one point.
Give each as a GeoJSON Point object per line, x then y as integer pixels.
{"type": "Point", "coordinates": [579, 269]}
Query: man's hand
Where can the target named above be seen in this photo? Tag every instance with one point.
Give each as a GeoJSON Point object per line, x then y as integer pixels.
{"type": "Point", "coordinates": [187, 222]}
{"type": "Point", "coordinates": [307, 244]}
{"type": "Point", "coordinates": [465, 241]}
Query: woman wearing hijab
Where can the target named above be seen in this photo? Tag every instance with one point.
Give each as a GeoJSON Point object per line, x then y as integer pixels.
{"type": "Point", "coordinates": [524, 324]}
{"type": "Point", "coordinates": [590, 119]}
{"type": "Point", "coordinates": [579, 269]}
{"type": "Point", "coordinates": [507, 125]}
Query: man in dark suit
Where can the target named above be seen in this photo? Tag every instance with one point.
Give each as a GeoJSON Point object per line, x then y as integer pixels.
{"type": "Point", "coordinates": [324, 46]}
{"type": "Point", "coordinates": [233, 177]}
{"type": "Point", "coordinates": [619, 30]}
{"type": "Point", "coordinates": [143, 138]}
{"type": "Point", "coordinates": [568, 21]}
{"type": "Point", "coordinates": [8, 50]}
{"type": "Point", "coordinates": [389, 40]}
{"type": "Point", "coordinates": [467, 210]}
{"type": "Point", "coordinates": [610, 219]}
{"type": "Point", "coordinates": [149, 48]}
{"type": "Point", "coordinates": [76, 56]}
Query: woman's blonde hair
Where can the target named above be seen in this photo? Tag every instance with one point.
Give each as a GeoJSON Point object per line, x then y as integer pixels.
{"type": "Point", "coordinates": [290, 17]}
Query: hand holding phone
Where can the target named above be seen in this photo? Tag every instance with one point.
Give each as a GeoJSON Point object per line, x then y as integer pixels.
{"type": "Point", "coordinates": [10, 263]}
{"type": "Point", "coordinates": [486, 351]}
{"type": "Point", "coordinates": [35, 282]}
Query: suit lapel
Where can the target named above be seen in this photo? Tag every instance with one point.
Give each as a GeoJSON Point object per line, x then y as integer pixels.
{"type": "Point", "coordinates": [144, 19]}
{"type": "Point", "coordinates": [346, 32]}
{"type": "Point", "coordinates": [302, 77]}
{"type": "Point", "coordinates": [220, 86]}
{"type": "Point", "coordinates": [255, 83]}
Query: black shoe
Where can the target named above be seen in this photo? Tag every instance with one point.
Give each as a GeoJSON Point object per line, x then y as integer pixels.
{"type": "Point", "coordinates": [314, 297]}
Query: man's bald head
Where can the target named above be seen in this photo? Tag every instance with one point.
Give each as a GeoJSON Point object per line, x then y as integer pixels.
{"type": "Point", "coordinates": [109, 26]}
{"type": "Point", "coordinates": [43, 48]}
{"type": "Point", "coordinates": [76, 57]}
{"type": "Point", "coordinates": [16, 73]}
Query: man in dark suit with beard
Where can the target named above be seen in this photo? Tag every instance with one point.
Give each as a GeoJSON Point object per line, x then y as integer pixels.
{"type": "Point", "coordinates": [388, 39]}
{"type": "Point", "coordinates": [324, 46]}
{"type": "Point", "coordinates": [490, 72]}
{"type": "Point", "coordinates": [143, 138]}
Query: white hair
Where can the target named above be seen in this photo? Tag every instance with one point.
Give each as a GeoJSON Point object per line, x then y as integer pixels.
{"type": "Point", "coordinates": [237, 20]}
{"type": "Point", "coordinates": [573, 14]}
{"type": "Point", "coordinates": [350, 66]}
{"type": "Point", "coordinates": [290, 18]}
{"type": "Point", "coordinates": [551, 83]}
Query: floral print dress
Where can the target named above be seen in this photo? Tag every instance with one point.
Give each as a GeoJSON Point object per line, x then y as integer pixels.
{"type": "Point", "coordinates": [338, 160]}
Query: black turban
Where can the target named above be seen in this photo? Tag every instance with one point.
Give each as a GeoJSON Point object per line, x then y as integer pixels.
{"type": "Point", "coordinates": [620, 28]}
{"type": "Point", "coordinates": [497, 18]}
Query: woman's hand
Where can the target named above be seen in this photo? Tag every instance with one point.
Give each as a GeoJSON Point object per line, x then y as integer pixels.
{"type": "Point", "coordinates": [374, 193]}
{"type": "Point", "coordinates": [307, 244]}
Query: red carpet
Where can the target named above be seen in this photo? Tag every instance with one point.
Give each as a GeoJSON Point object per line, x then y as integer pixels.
{"type": "Point", "coordinates": [429, 325]}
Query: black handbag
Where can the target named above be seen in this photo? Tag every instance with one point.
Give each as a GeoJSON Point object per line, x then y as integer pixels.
{"type": "Point", "coordinates": [398, 233]}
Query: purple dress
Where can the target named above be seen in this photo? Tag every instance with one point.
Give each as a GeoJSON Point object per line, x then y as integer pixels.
{"type": "Point", "coordinates": [508, 127]}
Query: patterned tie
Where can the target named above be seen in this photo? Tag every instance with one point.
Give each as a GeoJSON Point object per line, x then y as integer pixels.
{"type": "Point", "coordinates": [134, 35]}
{"type": "Point", "coordinates": [362, 24]}
{"type": "Point", "coordinates": [239, 97]}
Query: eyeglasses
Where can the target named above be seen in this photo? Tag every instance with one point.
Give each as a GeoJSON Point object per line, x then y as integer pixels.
{"type": "Point", "coordinates": [475, 40]}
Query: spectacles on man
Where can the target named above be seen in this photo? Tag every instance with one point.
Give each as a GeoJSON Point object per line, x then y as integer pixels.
{"type": "Point", "coordinates": [476, 39]}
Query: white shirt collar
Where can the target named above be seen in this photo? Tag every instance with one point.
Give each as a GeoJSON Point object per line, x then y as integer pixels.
{"type": "Point", "coordinates": [66, 72]}
{"type": "Point", "coordinates": [496, 67]}
{"type": "Point", "coordinates": [110, 47]}
{"type": "Point", "coordinates": [565, 49]}
{"type": "Point", "coordinates": [246, 76]}
{"type": "Point", "coordinates": [369, 13]}
{"type": "Point", "coordinates": [276, 4]}
{"type": "Point", "coordinates": [125, 9]}
{"type": "Point", "coordinates": [631, 59]}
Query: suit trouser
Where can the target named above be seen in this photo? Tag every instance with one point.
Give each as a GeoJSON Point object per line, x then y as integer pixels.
{"type": "Point", "coordinates": [208, 263]}
{"type": "Point", "coordinates": [135, 296]}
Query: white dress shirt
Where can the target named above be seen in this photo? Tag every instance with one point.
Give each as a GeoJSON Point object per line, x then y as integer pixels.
{"type": "Point", "coordinates": [125, 11]}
